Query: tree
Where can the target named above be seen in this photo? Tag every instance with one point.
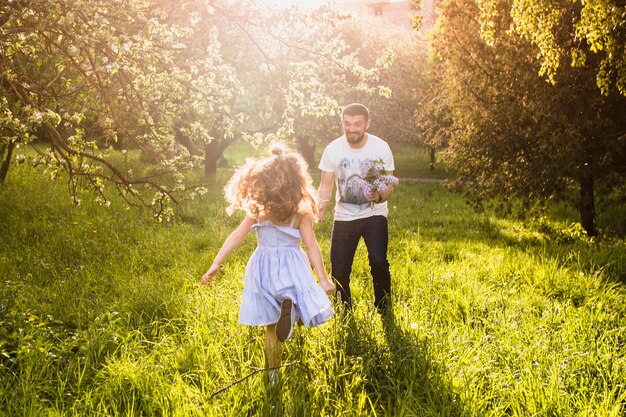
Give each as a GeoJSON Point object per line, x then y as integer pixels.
{"type": "Point", "coordinates": [395, 101]}
{"type": "Point", "coordinates": [175, 82]}
{"type": "Point", "coordinates": [433, 116]}
{"type": "Point", "coordinates": [595, 38]}
{"type": "Point", "coordinates": [380, 64]}
{"type": "Point", "coordinates": [120, 69]}
{"type": "Point", "coordinates": [513, 134]}
{"type": "Point", "coordinates": [307, 68]}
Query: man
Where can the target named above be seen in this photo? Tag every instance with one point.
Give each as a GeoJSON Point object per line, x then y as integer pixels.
{"type": "Point", "coordinates": [356, 214]}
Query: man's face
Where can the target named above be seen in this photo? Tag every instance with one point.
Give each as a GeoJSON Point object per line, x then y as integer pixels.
{"type": "Point", "coordinates": [354, 128]}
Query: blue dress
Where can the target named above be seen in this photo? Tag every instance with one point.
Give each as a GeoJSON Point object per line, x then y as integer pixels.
{"type": "Point", "coordinates": [280, 269]}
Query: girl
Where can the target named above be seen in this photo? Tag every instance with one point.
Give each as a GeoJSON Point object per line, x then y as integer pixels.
{"type": "Point", "coordinates": [279, 288]}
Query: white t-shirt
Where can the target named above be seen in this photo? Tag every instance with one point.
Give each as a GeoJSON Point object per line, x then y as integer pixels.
{"type": "Point", "coordinates": [345, 162]}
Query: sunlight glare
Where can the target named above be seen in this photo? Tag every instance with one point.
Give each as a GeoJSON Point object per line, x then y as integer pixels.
{"type": "Point", "coordinates": [305, 4]}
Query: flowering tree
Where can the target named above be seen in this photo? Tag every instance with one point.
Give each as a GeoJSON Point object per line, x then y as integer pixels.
{"type": "Point", "coordinates": [90, 77]}
{"type": "Point", "coordinates": [386, 64]}
{"type": "Point", "coordinates": [91, 85]}
{"type": "Point", "coordinates": [393, 100]}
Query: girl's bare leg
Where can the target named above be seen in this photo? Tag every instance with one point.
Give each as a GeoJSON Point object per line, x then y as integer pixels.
{"type": "Point", "coordinates": [273, 348]}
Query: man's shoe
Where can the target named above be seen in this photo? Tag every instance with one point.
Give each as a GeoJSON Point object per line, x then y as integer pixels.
{"type": "Point", "coordinates": [284, 326]}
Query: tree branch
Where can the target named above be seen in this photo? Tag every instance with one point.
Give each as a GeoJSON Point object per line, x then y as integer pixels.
{"type": "Point", "coordinates": [256, 370]}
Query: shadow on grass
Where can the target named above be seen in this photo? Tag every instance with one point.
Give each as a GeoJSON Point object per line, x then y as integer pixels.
{"type": "Point", "coordinates": [364, 367]}
{"type": "Point", "coordinates": [400, 373]}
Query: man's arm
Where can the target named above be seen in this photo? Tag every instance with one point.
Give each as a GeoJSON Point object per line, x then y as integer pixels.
{"type": "Point", "coordinates": [389, 166]}
{"type": "Point", "coordinates": [385, 195]}
{"type": "Point", "coordinates": [325, 192]}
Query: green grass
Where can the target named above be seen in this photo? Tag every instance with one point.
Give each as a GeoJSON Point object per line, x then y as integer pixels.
{"type": "Point", "coordinates": [102, 314]}
{"type": "Point", "coordinates": [414, 162]}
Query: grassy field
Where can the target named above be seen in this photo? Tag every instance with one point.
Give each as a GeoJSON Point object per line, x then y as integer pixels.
{"type": "Point", "coordinates": [102, 314]}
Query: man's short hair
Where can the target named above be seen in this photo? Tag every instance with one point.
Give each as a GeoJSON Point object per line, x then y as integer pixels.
{"type": "Point", "coordinates": [356, 109]}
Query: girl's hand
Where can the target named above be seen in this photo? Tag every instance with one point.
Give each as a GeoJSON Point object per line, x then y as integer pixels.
{"type": "Point", "coordinates": [328, 286]}
{"type": "Point", "coordinates": [209, 276]}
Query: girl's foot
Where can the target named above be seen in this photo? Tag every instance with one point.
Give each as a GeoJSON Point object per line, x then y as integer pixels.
{"type": "Point", "coordinates": [284, 326]}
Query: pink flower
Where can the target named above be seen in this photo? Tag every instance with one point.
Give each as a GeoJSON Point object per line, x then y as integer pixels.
{"type": "Point", "coordinates": [375, 177]}
{"type": "Point", "coordinates": [367, 188]}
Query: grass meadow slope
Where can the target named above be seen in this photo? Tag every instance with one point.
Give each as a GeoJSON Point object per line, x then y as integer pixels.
{"type": "Point", "coordinates": [102, 314]}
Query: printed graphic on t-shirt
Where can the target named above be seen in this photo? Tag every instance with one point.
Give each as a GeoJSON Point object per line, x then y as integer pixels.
{"type": "Point", "coordinates": [348, 182]}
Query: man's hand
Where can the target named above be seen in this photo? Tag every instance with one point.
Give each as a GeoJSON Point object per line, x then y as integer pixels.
{"type": "Point", "coordinates": [374, 197]}
{"type": "Point", "coordinates": [324, 193]}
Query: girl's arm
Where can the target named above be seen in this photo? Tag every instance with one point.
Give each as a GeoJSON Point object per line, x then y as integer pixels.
{"type": "Point", "coordinates": [314, 253]}
{"type": "Point", "coordinates": [231, 243]}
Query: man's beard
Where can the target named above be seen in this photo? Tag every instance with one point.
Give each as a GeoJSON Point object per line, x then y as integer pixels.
{"type": "Point", "coordinates": [355, 138]}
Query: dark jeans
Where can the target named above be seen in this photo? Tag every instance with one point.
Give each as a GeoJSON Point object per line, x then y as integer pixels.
{"type": "Point", "coordinates": [345, 239]}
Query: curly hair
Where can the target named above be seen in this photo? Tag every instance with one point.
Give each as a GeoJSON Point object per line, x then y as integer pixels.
{"type": "Point", "coordinates": [278, 185]}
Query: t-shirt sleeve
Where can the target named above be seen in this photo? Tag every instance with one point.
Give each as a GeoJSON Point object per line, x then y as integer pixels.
{"type": "Point", "coordinates": [388, 159]}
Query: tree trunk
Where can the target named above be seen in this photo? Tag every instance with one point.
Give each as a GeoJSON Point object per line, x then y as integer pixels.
{"type": "Point", "coordinates": [587, 203]}
{"type": "Point", "coordinates": [432, 158]}
{"type": "Point", "coordinates": [306, 150]}
{"type": "Point", "coordinates": [213, 151]}
{"type": "Point", "coordinates": [210, 159]}
{"type": "Point", "coordinates": [4, 169]}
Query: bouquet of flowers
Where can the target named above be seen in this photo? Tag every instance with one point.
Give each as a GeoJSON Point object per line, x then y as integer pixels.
{"type": "Point", "coordinates": [374, 177]}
